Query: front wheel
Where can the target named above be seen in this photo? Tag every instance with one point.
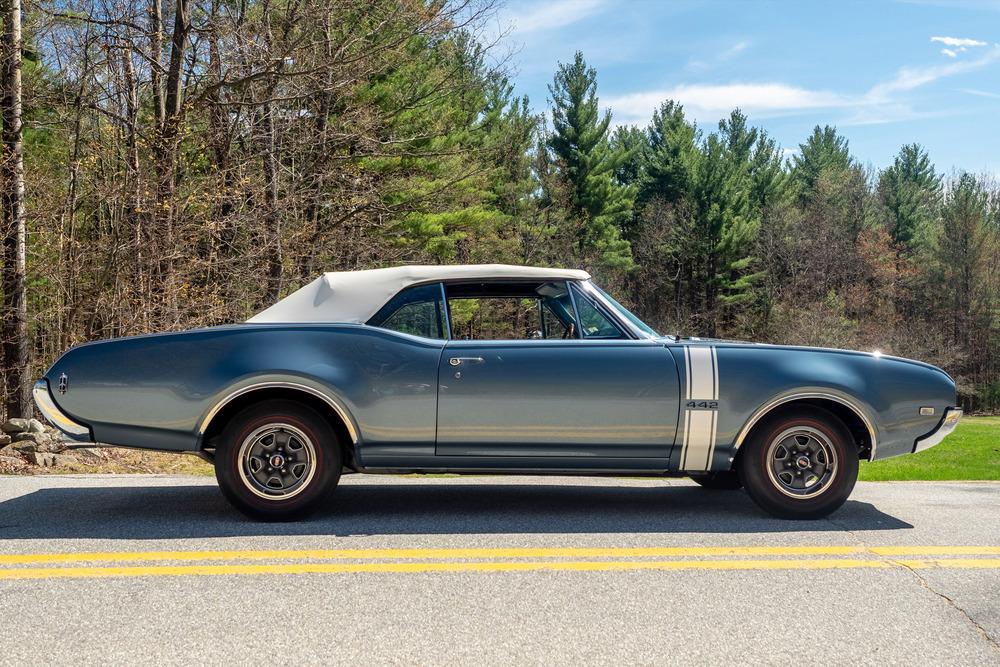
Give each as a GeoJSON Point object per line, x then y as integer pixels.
{"type": "Point", "coordinates": [800, 464]}
{"type": "Point", "coordinates": [277, 460]}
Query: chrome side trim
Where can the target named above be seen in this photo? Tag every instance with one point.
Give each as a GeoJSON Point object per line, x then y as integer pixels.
{"type": "Point", "coordinates": [947, 425]}
{"type": "Point", "coordinates": [339, 409]}
{"type": "Point", "coordinates": [55, 416]}
{"type": "Point", "coordinates": [767, 407]}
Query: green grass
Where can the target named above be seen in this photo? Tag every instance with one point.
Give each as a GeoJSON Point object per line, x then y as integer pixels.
{"type": "Point", "coordinates": [971, 452]}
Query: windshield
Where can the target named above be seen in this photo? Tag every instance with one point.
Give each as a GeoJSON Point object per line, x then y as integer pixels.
{"type": "Point", "coordinates": [624, 312]}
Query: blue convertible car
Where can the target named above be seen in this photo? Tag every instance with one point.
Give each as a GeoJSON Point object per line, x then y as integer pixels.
{"type": "Point", "coordinates": [505, 369]}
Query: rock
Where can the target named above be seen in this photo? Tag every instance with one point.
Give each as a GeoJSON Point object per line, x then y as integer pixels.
{"type": "Point", "coordinates": [35, 426]}
{"type": "Point", "coordinates": [43, 459]}
{"type": "Point", "coordinates": [64, 459]}
{"type": "Point", "coordinates": [11, 461]}
{"type": "Point", "coordinates": [4, 440]}
{"type": "Point", "coordinates": [8, 451]}
{"type": "Point", "coordinates": [25, 446]}
{"type": "Point", "coordinates": [15, 425]}
{"type": "Point", "coordinates": [37, 438]}
{"type": "Point", "coordinates": [88, 453]}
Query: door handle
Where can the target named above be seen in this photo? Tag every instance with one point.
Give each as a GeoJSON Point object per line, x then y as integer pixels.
{"type": "Point", "coordinates": [457, 361]}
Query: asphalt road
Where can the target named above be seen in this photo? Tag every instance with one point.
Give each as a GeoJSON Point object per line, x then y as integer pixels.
{"type": "Point", "coordinates": [495, 570]}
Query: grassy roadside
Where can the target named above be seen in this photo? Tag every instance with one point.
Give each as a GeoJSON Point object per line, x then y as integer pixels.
{"type": "Point", "coordinates": [972, 452]}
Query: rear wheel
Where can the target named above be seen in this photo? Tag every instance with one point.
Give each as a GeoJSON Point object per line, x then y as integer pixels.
{"type": "Point", "coordinates": [800, 464]}
{"type": "Point", "coordinates": [722, 480]}
{"type": "Point", "coordinates": [277, 460]}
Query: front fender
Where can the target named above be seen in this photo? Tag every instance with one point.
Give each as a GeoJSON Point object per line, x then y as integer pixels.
{"type": "Point", "coordinates": [886, 393]}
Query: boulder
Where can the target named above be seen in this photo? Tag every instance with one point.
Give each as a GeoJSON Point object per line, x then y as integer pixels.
{"type": "Point", "coordinates": [64, 459]}
{"type": "Point", "coordinates": [8, 450]}
{"type": "Point", "coordinates": [44, 459]}
{"type": "Point", "coordinates": [4, 439]}
{"type": "Point", "coordinates": [25, 446]}
{"type": "Point", "coordinates": [35, 426]}
{"type": "Point", "coordinates": [15, 425]}
{"type": "Point", "coordinates": [88, 453]}
{"type": "Point", "coordinates": [37, 438]}
{"type": "Point", "coordinates": [11, 461]}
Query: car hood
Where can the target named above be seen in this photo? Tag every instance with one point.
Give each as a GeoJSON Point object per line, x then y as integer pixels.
{"type": "Point", "coordinates": [875, 354]}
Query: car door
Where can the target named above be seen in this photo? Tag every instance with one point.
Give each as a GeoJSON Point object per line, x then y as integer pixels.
{"type": "Point", "coordinates": [595, 393]}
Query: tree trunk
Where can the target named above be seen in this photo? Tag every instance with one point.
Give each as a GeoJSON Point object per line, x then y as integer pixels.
{"type": "Point", "coordinates": [167, 160]}
{"type": "Point", "coordinates": [275, 262]}
{"type": "Point", "coordinates": [156, 56]}
{"type": "Point", "coordinates": [15, 312]}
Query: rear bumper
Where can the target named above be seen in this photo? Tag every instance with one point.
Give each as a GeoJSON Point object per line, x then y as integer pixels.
{"type": "Point", "coordinates": [43, 399]}
{"type": "Point", "coordinates": [947, 425]}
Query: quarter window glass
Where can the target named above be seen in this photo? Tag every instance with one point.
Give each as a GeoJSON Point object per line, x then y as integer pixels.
{"type": "Point", "coordinates": [417, 311]}
{"type": "Point", "coordinates": [593, 323]}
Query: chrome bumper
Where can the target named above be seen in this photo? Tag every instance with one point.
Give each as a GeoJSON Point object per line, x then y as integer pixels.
{"type": "Point", "coordinates": [947, 425]}
{"type": "Point", "coordinates": [55, 416]}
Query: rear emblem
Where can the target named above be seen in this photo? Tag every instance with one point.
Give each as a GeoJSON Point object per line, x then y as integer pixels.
{"type": "Point", "coordinates": [63, 383]}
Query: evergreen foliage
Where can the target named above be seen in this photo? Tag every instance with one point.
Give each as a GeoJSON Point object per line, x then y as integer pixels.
{"type": "Point", "coordinates": [330, 136]}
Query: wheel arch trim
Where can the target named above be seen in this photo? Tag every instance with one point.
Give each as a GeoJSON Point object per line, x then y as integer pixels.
{"type": "Point", "coordinates": [771, 405]}
{"type": "Point", "coordinates": [333, 403]}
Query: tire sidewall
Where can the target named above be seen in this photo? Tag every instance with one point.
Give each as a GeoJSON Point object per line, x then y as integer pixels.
{"type": "Point", "coordinates": [327, 460]}
{"type": "Point", "coordinates": [754, 465]}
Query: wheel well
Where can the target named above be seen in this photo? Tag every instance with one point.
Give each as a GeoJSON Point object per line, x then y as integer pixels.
{"type": "Point", "coordinates": [851, 419]}
{"type": "Point", "coordinates": [233, 407]}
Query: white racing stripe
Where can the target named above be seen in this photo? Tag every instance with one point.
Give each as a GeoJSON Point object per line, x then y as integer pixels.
{"type": "Point", "coordinates": [700, 423]}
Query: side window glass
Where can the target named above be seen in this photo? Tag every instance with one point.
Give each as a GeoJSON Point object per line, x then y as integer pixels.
{"type": "Point", "coordinates": [593, 323]}
{"type": "Point", "coordinates": [510, 311]}
{"type": "Point", "coordinates": [494, 318]}
{"type": "Point", "coordinates": [417, 311]}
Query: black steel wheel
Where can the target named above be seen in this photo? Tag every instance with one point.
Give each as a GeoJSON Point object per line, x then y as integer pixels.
{"type": "Point", "coordinates": [277, 460]}
{"type": "Point", "coordinates": [800, 463]}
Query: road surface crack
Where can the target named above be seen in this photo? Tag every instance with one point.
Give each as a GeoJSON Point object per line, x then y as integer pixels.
{"type": "Point", "coordinates": [924, 584]}
{"type": "Point", "coordinates": [951, 603]}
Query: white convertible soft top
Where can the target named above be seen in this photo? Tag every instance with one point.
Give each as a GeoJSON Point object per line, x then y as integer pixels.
{"type": "Point", "coordinates": [354, 296]}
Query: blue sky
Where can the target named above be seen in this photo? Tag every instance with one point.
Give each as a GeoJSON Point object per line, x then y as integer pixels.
{"type": "Point", "coordinates": [885, 73]}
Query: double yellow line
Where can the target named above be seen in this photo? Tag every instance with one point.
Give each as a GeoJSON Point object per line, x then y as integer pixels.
{"type": "Point", "coordinates": [349, 561]}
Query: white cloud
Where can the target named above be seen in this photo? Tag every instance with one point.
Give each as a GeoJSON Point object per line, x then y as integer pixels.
{"type": "Point", "coordinates": [884, 102]}
{"type": "Point", "coordinates": [720, 57]}
{"type": "Point", "coordinates": [705, 102]}
{"type": "Point", "coordinates": [958, 42]}
{"type": "Point", "coordinates": [981, 93]}
{"type": "Point", "coordinates": [734, 50]}
{"type": "Point", "coordinates": [949, 53]}
{"type": "Point", "coordinates": [788, 153]}
{"type": "Point", "coordinates": [909, 78]}
{"type": "Point", "coordinates": [549, 15]}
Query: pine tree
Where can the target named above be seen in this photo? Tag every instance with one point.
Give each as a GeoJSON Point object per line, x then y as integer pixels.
{"type": "Point", "coordinates": [673, 155]}
{"type": "Point", "coordinates": [586, 163]}
{"type": "Point", "coordinates": [911, 191]}
{"type": "Point", "coordinates": [824, 152]}
{"type": "Point", "coordinates": [728, 220]}
{"type": "Point", "coordinates": [630, 143]}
